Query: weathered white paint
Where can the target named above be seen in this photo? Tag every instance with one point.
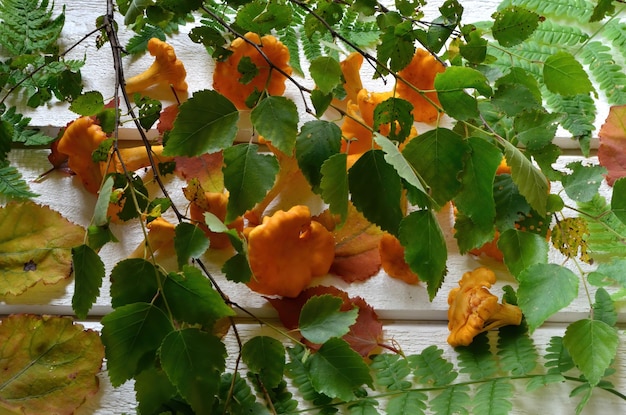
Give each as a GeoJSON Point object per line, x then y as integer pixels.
{"type": "Point", "coordinates": [410, 318]}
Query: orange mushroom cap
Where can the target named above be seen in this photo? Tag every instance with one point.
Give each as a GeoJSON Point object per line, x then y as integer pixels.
{"type": "Point", "coordinates": [215, 203]}
{"type": "Point", "coordinates": [166, 69]}
{"type": "Point", "coordinates": [473, 309]}
{"type": "Point", "coordinates": [420, 73]}
{"type": "Point", "coordinates": [79, 140]}
{"type": "Point", "coordinates": [392, 259]}
{"type": "Point", "coordinates": [287, 251]}
{"type": "Point", "coordinates": [226, 81]}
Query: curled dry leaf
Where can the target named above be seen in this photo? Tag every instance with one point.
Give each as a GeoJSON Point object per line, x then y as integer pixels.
{"type": "Point", "coordinates": [364, 336]}
{"type": "Point", "coordinates": [48, 365]}
{"type": "Point", "coordinates": [35, 246]}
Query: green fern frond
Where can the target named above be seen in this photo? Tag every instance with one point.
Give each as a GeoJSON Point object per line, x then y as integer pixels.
{"type": "Point", "coordinates": [580, 10]}
{"type": "Point", "coordinates": [551, 33]}
{"type": "Point", "coordinates": [410, 402]}
{"type": "Point", "coordinates": [476, 360]}
{"type": "Point", "coordinates": [360, 33]}
{"type": "Point", "coordinates": [236, 397]}
{"type": "Point", "coordinates": [516, 350]}
{"type": "Point", "coordinates": [493, 398]}
{"type": "Point", "coordinates": [615, 31]}
{"type": "Point", "coordinates": [289, 37]}
{"type": "Point", "coordinates": [390, 371]}
{"type": "Point", "coordinates": [558, 359]}
{"type": "Point", "coordinates": [12, 184]}
{"type": "Point", "coordinates": [580, 112]}
{"type": "Point", "coordinates": [312, 47]}
{"type": "Point", "coordinates": [609, 76]}
{"type": "Point", "coordinates": [452, 400]}
{"type": "Point", "coordinates": [281, 397]}
{"type": "Point", "coordinates": [431, 369]}
{"type": "Point", "coordinates": [604, 308]}
{"type": "Point", "coordinates": [28, 27]}
{"type": "Point", "coordinates": [21, 132]}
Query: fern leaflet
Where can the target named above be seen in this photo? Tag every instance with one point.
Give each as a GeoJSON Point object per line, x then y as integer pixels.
{"type": "Point", "coordinates": [551, 33]}
{"type": "Point", "coordinates": [493, 398]}
{"type": "Point", "coordinates": [21, 132]}
{"type": "Point", "coordinates": [606, 234]}
{"type": "Point", "coordinates": [410, 402]}
{"type": "Point", "coordinates": [12, 184]}
{"type": "Point", "coordinates": [579, 10]}
{"type": "Point", "coordinates": [476, 359]}
{"type": "Point", "coordinates": [236, 397]}
{"type": "Point", "coordinates": [609, 76]}
{"type": "Point", "coordinates": [604, 308]}
{"type": "Point", "coordinates": [516, 350]}
{"type": "Point", "coordinates": [391, 371]}
{"type": "Point", "coordinates": [452, 400]}
{"type": "Point", "coordinates": [289, 37]}
{"type": "Point", "coordinates": [431, 368]}
{"type": "Point", "coordinates": [27, 27]}
{"type": "Point", "coordinates": [558, 359]}
{"type": "Point", "coordinates": [298, 373]}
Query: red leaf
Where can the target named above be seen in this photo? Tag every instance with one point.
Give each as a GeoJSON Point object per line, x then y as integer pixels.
{"type": "Point", "coordinates": [364, 335]}
{"type": "Point", "coordinates": [166, 119]}
{"type": "Point", "coordinates": [357, 267]}
{"type": "Point", "coordinates": [612, 148]}
{"type": "Point", "coordinates": [206, 168]}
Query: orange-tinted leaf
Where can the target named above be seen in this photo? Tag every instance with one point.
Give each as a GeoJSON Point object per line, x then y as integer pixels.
{"type": "Point", "coordinates": [364, 336]}
{"type": "Point", "coordinates": [48, 365]}
{"type": "Point", "coordinates": [35, 245]}
{"type": "Point", "coordinates": [612, 148]}
{"type": "Point", "coordinates": [166, 119]}
{"type": "Point", "coordinates": [356, 248]}
{"type": "Point", "coordinates": [206, 168]}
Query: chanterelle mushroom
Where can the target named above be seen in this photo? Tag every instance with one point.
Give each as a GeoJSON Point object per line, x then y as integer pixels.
{"type": "Point", "coordinates": [287, 250]}
{"type": "Point", "coordinates": [166, 69]}
{"type": "Point", "coordinates": [473, 309]}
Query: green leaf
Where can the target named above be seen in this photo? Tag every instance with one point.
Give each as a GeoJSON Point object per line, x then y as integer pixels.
{"type": "Point", "coordinates": [334, 184]}
{"type": "Point", "coordinates": [431, 369]}
{"type": "Point", "coordinates": [88, 275]}
{"type": "Point", "coordinates": [391, 371]}
{"type": "Point", "coordinates": [425, 251]}
{"type": "Point", "coordinates": [397, 160]}
{"type": "Point", "coordinates": [510, 205]}
{"type": "Point", "coordinates": [477, 359]}
{"type": "Point", "coordinates": [191, 287]}
{"type": "Point", "coordinates": [475, 48]}
{"type": "Point", "coordinates": [153, 390]}
{"type": "Point", "coordinates": [397, 46]}
{"type": "Point", "coordinates": [237, 268]}
{"type": "Point", "coordinates": [194, 361]}
{"type": "Point", "coordinates": [618, 199]}
{"type": "Point", "coordinates": [475, 197]}
{"type": "Point", "coordinates": [584, 181]}
{"type": "Point", "coordinates": [376, 189]}
{"type": "Point", "coordinates": [516, 350]}
{"type": "Point", "coordinates": [276, 120]}
{"type": "Point", "coordinates": [451, 87]}
{"type": "Point", "coordinates": [131, 335]}
{"type": "Point", "coordinates": [531, 182]}
{"type": "Point", "coordinates": [134, 280]}
{"type": "Point", "coordinates": [190, 241]}
{"type": "Point", "coordinates": [592, 345]}
{"type": "Point", "coordinates": [317, 142]}
{"type": "Point", "coordinates": [438, 157]}
{"type": "Point", "coordinates": [397, 113]}
{"type": "Point", "coordinates": [206, 123]}
{"type": "Point", "coordinates": [543, 290]}
{"type": "Point", "coordinates": [298, 371]}
{"type": "Point", "coordinates": [604, 308]}
{"type": "Point", "coordinates": [564, 75]}
{"type": "Point", "coordinates": [337, 371]}
{"type": "Point", "coordinates": [265, 356]}
{"type": "Point", "coordinates": [602, 9]}
{"type": "Point", "coordinates": [88, 103]}
{"type": "Point", "coordinates": [248, 176]}
{"type": "Point", "coordinates": [321, 318]}
{"type": "Point", "coordinates": [262, 16]}
{"type": "Point", "coordinates": [321, 101]}
{"type": "Point", "coordinates": [522, 250]}
{"type": "Point", "coordinates": [513, 25]}
{"type": "Point", "coordinates": [326, 73]}
{"type": "Point", "coordinates": [536, 128]}
{"type": "Point", "coordinates": [149, 111]}
{"type": "Point", "coordinates": [493, 398]}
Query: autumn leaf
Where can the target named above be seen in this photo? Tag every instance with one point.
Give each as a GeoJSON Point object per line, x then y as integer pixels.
{"type": "Point", "coordinates": [48, 365]}
{"type": "Point", "coordinates": [356, 248]}
{"type": "Point", "coordinates": [364, 335]}
{"type": "Point", "coordinates": [35, 246]}
{"type": "Point", "coordinates": [612, 147]}
{"type": "Point", "coordinates": [207, 169]}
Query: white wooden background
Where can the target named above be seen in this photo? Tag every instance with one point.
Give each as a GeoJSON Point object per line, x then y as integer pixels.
{"type": "Point", "coordinates": [409, 317]}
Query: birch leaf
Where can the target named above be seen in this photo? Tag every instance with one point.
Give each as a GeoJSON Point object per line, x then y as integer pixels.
{"type": "Point", "coordinates": [35, 246]}
{"type": "Point", "coordinates": [47, 364]}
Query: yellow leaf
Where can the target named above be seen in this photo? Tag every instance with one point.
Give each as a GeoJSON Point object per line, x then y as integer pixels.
{"type": "Point", "coordinates": [48, 365]}
{"type": "Point", "coordinates": [35, 245]}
